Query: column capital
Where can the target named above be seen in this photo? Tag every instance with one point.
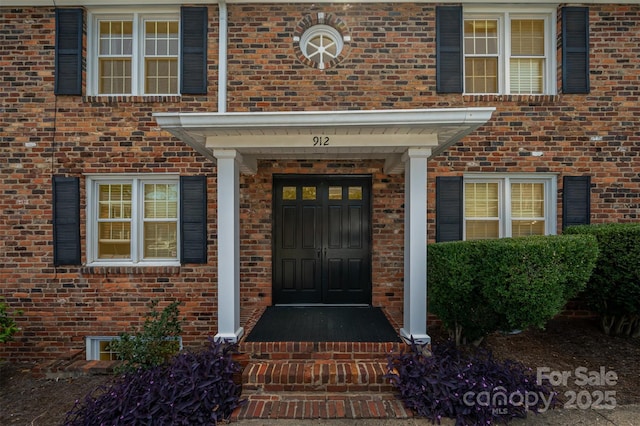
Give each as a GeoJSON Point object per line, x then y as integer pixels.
{"type": "Point", "coordinates": [227, 154]}
{"type": "Point", "coordinates": [247, 164]}
{"type": "Point", "coordinates": [416, 153]}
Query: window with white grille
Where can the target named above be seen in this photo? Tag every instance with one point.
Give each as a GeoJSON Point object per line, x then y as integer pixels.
{"type": "Point", "coordinates": [509, 53]}
{"type": "Point", "coordinates": [133, 219]}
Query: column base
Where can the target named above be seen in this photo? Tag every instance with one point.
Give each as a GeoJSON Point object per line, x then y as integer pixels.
{"type": "Point", "coordinates": [419, 339]}
{"type": "Point", "coordinates": [230, 337]}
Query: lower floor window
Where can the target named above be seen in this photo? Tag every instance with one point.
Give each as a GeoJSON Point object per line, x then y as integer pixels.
{"type": "Point", "coordinates": [133, 219]}
{"type": "Point", "coordinates": [98, 349]}
{"type": "Point", "coordinates": [508, 206]}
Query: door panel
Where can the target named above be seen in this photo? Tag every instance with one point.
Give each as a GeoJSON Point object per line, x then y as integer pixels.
{"type": "Point", "coordinates": [355, 271]}
{"type": "Point", "coordinates": [288, 274]}
{"type": "Point", "coordinates": [289, 232]}
{"type": "Point", "coordinates": [309, 273]}
{"type": "Point", "coordinates": [322, 240]}
{"type": "Point", "coordinates": [309, 225]}
{"type": "Point", "coordinates": [355, 227]}
{"type": "Point", "coordinates": [334, 232]}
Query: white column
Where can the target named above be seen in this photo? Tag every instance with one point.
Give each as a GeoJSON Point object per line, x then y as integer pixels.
{"type": "Point", "coordinates": [228, 219]}
{"type": "Point", "coordinates": [415, 246]}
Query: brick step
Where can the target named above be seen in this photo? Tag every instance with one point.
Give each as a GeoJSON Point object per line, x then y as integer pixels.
{"type": "Point", "coordinates": [317, 350]}
{"type": "Point", "coordinates": [321, 405]}
{"type": "Point", "coordinates": [317, 375]}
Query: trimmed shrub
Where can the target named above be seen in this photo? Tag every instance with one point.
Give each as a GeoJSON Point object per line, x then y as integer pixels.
{"type": "Point", "coordinates": [477, 287]}
{"type": "Point", "coordinates": [154, 344]}
{"type": "Point", "coordinates": [529, 280]}
{"type": "Point", "coordinates": [196, 388]}
{"type": "Point", "coordinates": [455, 291]}
{"type": "Point", "coordinates": [472, 388]}
{"type": "Point", "coordinates": [614, 288]}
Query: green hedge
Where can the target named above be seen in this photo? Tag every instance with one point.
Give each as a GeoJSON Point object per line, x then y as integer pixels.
{"type": "Point", "coordinates": [477, 287]}
{"type": "Point", "coordinates": [614, 288]}
{"type": "Point", "coordinates": [455, 292]}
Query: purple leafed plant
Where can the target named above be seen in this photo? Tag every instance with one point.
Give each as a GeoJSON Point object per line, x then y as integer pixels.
{"type": "Point", "coordinates": [470, 387]}
{"type": "Point", "coordinates": [194, 388]}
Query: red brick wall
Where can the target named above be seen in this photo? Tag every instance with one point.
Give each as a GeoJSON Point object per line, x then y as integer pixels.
{"type": "Point", "coordinates": [75, 135]}
{"type": "Point", "coordinates": [389, 63]}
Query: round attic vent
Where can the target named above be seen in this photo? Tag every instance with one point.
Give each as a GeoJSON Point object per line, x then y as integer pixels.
{"type": "Point", "coordinates": [321, 44]}
{"type": "Point", "coordinates": [320, 40]}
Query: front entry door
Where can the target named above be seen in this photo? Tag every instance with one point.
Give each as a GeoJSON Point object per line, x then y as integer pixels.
{"type": "Point", "coordinates": [322, 239]}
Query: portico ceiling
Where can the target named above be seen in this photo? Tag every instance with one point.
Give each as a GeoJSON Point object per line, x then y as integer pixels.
{"type": "Point", "coordinates": [369, 134]}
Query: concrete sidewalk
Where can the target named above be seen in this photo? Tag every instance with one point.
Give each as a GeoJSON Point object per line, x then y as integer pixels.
{"type": "Point", "coordinates": [628, 415]}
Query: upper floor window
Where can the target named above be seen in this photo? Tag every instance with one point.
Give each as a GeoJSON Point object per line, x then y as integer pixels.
{"type": "Point", "coordinates": [509, 53]}
{"type": "Point", "coordinates": [134, 54]}
{"type": "Point", "coordinates": [496, 207]}
{"type": "Point", "coordinates": [133, 219]}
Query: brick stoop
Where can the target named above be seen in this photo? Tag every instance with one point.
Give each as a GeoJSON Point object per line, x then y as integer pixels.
{"type": "Point", "coordinates": [317, 380]}
{"type": "Point", "coordinates": [320, 389]}
{"type": "Point", "coordinates": [321, 405]}
{"type": "Point", "coordinates": [310, 376]}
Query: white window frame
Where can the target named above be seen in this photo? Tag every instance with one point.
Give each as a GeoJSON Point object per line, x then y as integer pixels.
{"type": "Point", "coordinates": [504, 43]}
{"type": "Point", "coordinates": [326, 31]}
{"type": "Point", "coordinates": [92, 345]}
{"type": "Point", "coordinates": [137, 61]}
{"type": "Point", "coordinates": [504, 181]}
{"type": "Point", "coordinates": [137, 221]}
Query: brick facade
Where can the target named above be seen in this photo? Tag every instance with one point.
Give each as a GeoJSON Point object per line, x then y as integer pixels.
{"type": "Point", "coordinates": [388, 63]}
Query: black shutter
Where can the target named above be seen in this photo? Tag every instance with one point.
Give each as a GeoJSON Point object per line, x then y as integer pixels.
{"type": "Point", "coordinates": [575, 50]}
{"type": "Point", "coordinates": [68, 73]}
{"type": "Point", "coordinates": [66, 220]}
{"type": "Point", "coordinates": [576, 201]}
{"type": "Point", "coordinates": [449, 49]}
{"type": "Point", "coordinates": [449, 212]}
{"type": "Point", "coordinates": [193, 219]}
{"type": "Point", "coordinates": [193, 50]}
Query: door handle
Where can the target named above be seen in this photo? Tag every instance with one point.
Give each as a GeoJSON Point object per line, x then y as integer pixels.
{"type": "Point", "coordinates": [318, 251]}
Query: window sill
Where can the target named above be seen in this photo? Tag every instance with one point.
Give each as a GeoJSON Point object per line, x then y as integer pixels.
{"type": "Point", "coordinates": [116, 99]}
{"type": "Point", "coordinates": [128, 269]}
{"type": "Point", "coordinates": [519, 99]}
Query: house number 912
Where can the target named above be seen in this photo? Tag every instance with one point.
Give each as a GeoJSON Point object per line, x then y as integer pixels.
{"type": "Point", "coordinates": [321, 141]}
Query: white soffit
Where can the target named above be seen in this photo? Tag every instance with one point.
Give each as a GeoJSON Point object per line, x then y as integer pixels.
{"type": "Point", "coordinates": [382, 134]}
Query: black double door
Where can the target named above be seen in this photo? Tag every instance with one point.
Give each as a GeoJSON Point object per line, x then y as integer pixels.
{"type": "Point", "coordinates": [322, 239]}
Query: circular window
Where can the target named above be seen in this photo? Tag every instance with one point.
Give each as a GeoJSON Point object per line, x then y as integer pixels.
{"type": "Point", "coordinates": [321, 44]}
{"type": "Point", "coordinates": [321, 40]}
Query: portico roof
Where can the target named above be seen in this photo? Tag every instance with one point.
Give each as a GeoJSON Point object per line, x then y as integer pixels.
{"type": "Point", "coordinates": [369, 134]}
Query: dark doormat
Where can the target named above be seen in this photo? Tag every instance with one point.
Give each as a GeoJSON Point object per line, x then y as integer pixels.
{"type": "Point", "coordinates": [323, 324]}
